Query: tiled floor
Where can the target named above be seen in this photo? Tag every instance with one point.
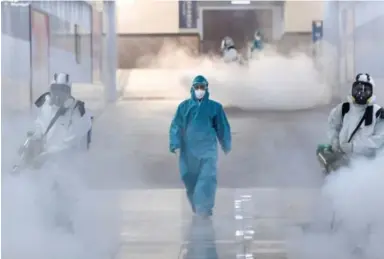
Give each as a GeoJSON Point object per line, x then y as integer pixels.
{"type": "Point", "coordinates": [272, 159]}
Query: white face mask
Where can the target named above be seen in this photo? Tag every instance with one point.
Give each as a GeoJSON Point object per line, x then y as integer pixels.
{"type": "Point", "coordinates": [199, 93]}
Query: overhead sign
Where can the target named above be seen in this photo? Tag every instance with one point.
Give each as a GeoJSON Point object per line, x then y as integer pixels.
{"type": "Point", "coordinates": [187, 14]}
{"type": "Point", "coordinates": [317, 30]}
{"type": "Point", "coordinates": [16, 3]}
{"type": "Point", "coordinates": [240, 2]}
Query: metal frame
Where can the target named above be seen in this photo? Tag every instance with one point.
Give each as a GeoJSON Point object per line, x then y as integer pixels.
{"type": "Point", "coordinates": [33, 9]}
{"type": "Point", "coordinates": [96, 11]}
{"type": "Point", "coordinates": [30, 58]}
{"type": "Point", "coordinates": [352, 40]}
{"type": "Point", "coordinates": [91, 40]}
{"type": "Point", "coordinates": [275, 16]}
{"type": "Point", "coordinates": [92, 7]}
{"type": "Point", "coordinates": [345, 37]}
{"type": "Point", "coordinates": [77, 32]}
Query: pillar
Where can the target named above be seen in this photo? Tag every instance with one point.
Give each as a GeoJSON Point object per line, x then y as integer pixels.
{"type": "Point", "coordinates": [111, 51]}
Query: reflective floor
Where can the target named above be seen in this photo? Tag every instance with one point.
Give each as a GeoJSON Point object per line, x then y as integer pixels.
{"type": "Point", "coordinates": [272, 160]}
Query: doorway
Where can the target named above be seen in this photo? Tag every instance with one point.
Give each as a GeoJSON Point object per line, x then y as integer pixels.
{"type": "Point", "coordinates": [239, 24]}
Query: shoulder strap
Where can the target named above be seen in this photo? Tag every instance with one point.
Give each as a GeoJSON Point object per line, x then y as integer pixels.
{"type": "Point", "coordinates": [81, 106]}
{"type": "Point", "coordinates": [59, 112]}
{"type": "Point", "coordinates": [380, 113]}
{"type": "Point", "coordinates": [41, 100]}
{"type": "Point", "coordinates": [344, 109]}
{"type": "Point", "coordinates": [369, 115]}
{"type": "Point", "coordinates": [358, 126]}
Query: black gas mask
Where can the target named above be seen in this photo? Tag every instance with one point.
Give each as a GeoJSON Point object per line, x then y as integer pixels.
{"type": "Point", "coordinates": [361, 92]}
{"type": "Point", "coordinates": [60, 90]}
{"type": "Point", "coordinates": [60, 93]}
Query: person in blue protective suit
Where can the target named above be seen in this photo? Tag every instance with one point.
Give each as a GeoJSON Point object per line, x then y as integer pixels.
{"type": "Point", "coordinates": [198, 124]}
{"type": "Point", "coordinates": [257, 43]}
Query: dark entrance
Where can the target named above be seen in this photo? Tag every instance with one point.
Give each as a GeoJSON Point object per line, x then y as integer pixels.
{"type": "Point", "coordinates": [240, 25]}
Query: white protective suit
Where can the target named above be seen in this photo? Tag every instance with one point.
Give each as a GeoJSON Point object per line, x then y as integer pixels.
{"type": "Point", "coordinates": [229, 51]}
{"type": "Point", "coordinates": [367, 139]}
{"type": "Point", "coordinates": [60, 178]}
{"type": "Point", "coordinates": [230, 55]}
{"type": "Point", "coordinates": [68, 132]}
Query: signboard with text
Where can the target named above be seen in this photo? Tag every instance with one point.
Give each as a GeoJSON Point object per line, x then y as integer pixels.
{"type": "Point", "coordinates": [187, 14]}
{"type": "Point", "coordinates": [317, 31]}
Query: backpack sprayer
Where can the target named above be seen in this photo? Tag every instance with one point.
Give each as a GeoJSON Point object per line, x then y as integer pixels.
{"type": "Point", "coordinates": [329, 159]}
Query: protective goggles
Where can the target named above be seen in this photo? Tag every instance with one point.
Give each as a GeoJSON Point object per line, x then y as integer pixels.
{"type": "Point", "coordinates": [361, 87]}
{"type": "Point", "coordinates": [200, 87]}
